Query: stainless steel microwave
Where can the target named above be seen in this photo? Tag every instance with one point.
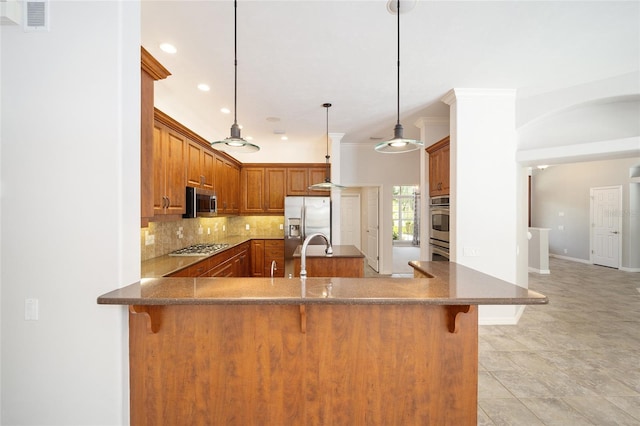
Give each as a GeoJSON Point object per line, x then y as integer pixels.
{"type": "Point", "coordinates": [200, 203]}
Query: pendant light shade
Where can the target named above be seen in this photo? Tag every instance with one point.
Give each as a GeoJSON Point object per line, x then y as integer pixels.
{"type": "Point", "coordinates": [327, 185]}
{"type": "Point", "coordinates": [235, 142]}
{"type": "Point", "coordinates": [399, 143]}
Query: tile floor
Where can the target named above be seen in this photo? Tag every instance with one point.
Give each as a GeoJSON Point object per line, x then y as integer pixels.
{"type": "Point", "coordinates": [575, 361]}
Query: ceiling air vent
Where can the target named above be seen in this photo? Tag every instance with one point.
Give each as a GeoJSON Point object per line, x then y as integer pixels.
{"type": "Point", "coordinates": [36, 15]}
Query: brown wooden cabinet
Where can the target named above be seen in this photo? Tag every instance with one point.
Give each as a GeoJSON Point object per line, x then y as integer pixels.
{"type": "Point", "coordinates": [263, 189]}
{"type": "Point", "coordinates": [274, 252]}
{"type": "Point", "coordinates": [200, 166]}
{"type": "Point", "coordinates": [227, 185]}
{"type": "Point", "coordinates": [301, 177]}
{"type": "Point", "coordinates": [439, 167]}
{"type": "Point", "coordinates": [263, 253]}
{"type": "Point", "coordinates": [257, 258]}
{"type": "Point", "coordinates": [234, 262]}
{"type": "Point", "coordinates": [169, 148]}
{"type": "Point", "coordinates": [152, 70]}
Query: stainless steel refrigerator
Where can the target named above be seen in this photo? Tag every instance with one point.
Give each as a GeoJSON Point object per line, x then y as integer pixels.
{"type": "Point", "coordinates": [304, 216]}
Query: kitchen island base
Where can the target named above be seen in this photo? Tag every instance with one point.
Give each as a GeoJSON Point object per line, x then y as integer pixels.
{"type": "Point", "coordinates": [307, 364]}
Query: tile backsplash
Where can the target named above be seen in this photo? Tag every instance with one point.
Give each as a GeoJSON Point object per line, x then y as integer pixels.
{"type": "Point", "coordinates": [170, 236]}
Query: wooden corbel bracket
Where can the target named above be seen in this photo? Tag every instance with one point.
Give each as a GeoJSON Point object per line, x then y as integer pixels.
{"type": "Point", "coordinates": [452, 316]}
{"type": "Point", "coordinates": [151, 315]}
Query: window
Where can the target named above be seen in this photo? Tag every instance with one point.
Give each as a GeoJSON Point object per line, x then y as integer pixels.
{"type": "Point", "coordinates": [405, 213]}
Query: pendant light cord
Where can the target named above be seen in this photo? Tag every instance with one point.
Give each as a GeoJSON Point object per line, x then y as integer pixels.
{"type": "Point", "coordinates": [398, 82]}
{"type": "Point", "coordinates": [235, 62]}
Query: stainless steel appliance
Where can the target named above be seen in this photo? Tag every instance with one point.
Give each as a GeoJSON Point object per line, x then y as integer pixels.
{"type": "Point", "coordinates": [200, 203]}
{"type": "Point", "coordinates": [304, 216]}
{"type": "Point", "coordinates": [205, 249]}
{"type": "Point", "coordinates": [439, 231]}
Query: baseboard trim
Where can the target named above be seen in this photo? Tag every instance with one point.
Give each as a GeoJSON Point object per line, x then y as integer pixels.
{"type": "Point", "coordinates": [539, 271]}
{"type": "Point", "coordinates": [625, 269]}
{"type": "Point", "coordinates": [572, 259]}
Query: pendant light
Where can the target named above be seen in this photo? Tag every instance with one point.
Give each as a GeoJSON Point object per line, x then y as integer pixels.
{"type": "Point", "coordinates": [235, 143]}
{"type": "Point", "coordinates": [399, 143]}
{"type": "Point", "coordinates": [326, 185]}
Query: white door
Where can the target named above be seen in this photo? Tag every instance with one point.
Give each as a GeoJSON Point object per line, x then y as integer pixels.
{"type": "Point", "coordinates": [350, 220]}
{"type": "Point", "coordinates": [372, 228]}
{"type": "Point", "coordinates": [606, 210]}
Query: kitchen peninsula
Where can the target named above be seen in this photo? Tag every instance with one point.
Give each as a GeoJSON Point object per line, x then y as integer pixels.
{"type": "Point", "coordinates": [309, 351]}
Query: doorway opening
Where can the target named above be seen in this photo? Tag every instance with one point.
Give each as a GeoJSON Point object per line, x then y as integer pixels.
{"type": "Point", "coordinates": [406, 215]}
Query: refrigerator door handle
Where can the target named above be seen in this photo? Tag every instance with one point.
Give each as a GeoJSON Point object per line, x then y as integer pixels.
{"type": "Point", "coordinates": [303, 219]}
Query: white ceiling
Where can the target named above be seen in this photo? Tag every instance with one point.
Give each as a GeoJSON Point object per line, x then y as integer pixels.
{"type": "Point", "coordinates": [295, 55]}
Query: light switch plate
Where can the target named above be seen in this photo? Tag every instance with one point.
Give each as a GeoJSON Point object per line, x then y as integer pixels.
{"type": "Point", "coordinates": [31, 310]}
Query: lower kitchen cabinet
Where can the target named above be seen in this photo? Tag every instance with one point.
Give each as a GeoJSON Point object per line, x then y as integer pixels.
{"type": "Point", "coordinates": [274, 252]}
{"type": "Point", "coordinates": [263, 254]}
{"type": "Point", "coordinates": [233, 262]}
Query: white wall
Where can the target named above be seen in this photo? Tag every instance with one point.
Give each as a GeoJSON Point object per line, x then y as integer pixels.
{"type": "Point", "coordinates": [70, 212]}
{"type": "Point", "coordinates": [361, 165]}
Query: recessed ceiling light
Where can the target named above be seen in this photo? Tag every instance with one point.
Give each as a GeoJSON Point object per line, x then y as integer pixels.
{"type": "Point", "coordinates": [225, 110]}
{"type": "Point", "coordinates": [284, 138]}
{"type": "Point", "coordinates": [376, 138]}
{"type": "Point", "coordinates": [273, 119]}
{"type": "Point", "coordinates": [279, 132]}
{"type": "Point", "coordinates": [204, 87]}
{"type": "Point", "coordinates": [168, 47]}
{"type": "Point", "coordinates": [249, 138]}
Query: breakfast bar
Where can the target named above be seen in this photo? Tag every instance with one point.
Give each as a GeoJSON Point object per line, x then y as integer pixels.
{"type": "Point", "coordinates": [309, 351]}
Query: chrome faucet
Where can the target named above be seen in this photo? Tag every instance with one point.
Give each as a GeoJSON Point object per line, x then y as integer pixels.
{"type": "Point", "coordinates": [303, 254]}
{"type": "Point", "coordinates": [273, 267]}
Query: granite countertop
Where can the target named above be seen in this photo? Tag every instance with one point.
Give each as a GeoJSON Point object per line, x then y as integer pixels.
{"type": "Point", "coordinates": [165, 265]}
{"type": "Point", "coordinates": [338, 251]}
{"type": "Point", "coordinates": [450, 284]}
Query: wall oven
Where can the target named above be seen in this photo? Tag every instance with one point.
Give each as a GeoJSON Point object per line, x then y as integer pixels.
{"type": "Point", "coordinates": [439, 231]}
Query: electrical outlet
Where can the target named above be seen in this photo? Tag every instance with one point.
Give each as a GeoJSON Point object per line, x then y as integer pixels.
{"type": "Point", "coordinates": [282, 226]}
{"type": "Point", "coordinates": [565, 251]}
{"type": "Point", "coordinates": [208, 231]}
{"type": "Point", "coordinates": [560, 227]}
{"type": "Point", "coordinates": [200, 230]}
{"type": "Point", "coordinates": [246, 226]}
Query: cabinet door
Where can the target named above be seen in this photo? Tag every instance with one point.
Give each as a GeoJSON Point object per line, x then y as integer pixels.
{"type": "Point", "coordinates": [233, 182]}
{"type": "Point", "coordinates": [257, 258]}
{"type": "Point", "coordinates": [208, 169]}
{"type": "Point", "coordinates": [199, 167]}
{"type": "Point", "coordinates": [220, 182]}
{"type": "Point", "coordinates": [253, 191]}
{"type": "Point", "coordinates": [274, 189]}
{"type": "Point", "coordinates": [195, 174]}
{"type": "Point", "coordinates": [318, 175]}
{"type": "Point", "coordinates": [297, 181]}
{"type": "Point", "coordinates": [439, 167]}
{"type": "Point", "coordinates": [274, 252]}
{"type": "Point", "coordinates": [175, 176]}
{"type": "Point", "coordinates": [168, 171]}
{"type": "Point", "coordinates": [159, 196]}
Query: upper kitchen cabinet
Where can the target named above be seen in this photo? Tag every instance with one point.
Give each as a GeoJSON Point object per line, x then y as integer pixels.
{"type": "Point", "coordinates": [200, 166]}
{"type": "Point", "coordinates": [439, 168]}
{"type": "Point", "coordinates": [300, 177]}
{"type": "Point", "coordinates": [151, 70]}
{"type": "Point", "coordinates": [263, 189]}
{"type": "Point", "coordinates": [227, 184]}
{"type": "Point", "coordinates": [168, 169]}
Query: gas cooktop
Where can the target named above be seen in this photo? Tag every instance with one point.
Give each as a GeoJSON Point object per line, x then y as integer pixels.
{"type": "Point", "coordinates": [199, 249]}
